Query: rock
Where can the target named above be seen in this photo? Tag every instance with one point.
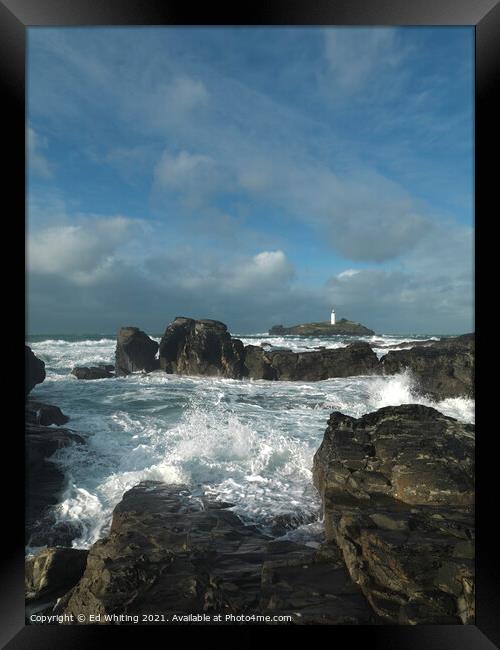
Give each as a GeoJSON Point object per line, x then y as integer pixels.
{"type": "Point", "coordinates": [52, 572]}
{"type": "Point", "coordinates": [201, 347]}
{"type": "Point", "coordinates": [258, 364]}
{"type": "Point", "coordinates": [443, 368]}
{"type": "Point", "coordinates": [355, 359]}
{"type": "Point", "coordinates": [135, 351]}
{"type": "Point", "coordinates": [343, 327]}
{"type": "Point", "coordinates": [93, 372]}
{"type": "Point", "coordinates": [171, 553]}
{"type": "Point", "coordinates": [34, 368]}
{"type": "Point", "coordinates": [44, 414]}
{"type": "Point", "coordinates": [398, 493]}
{"type": "Point", "coordinates": [44, 479]}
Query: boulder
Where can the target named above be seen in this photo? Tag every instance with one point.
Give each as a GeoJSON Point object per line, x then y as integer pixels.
{"type": "Point", "coordinates": [201, 347]}
{"type": "Point", "coordinates": [442, 368]}
{"type": "Point", "coordinates": [92, 372]}
{"type": "Point", "coordinates": [135, 351]}
{"type": "Point", "coordinates": [44, 414]}
{"type": "Point", "coordinates": [44, 481]}
{"type": "Point", "coordinates": [355, 359]}
{"type": "Point", "coordinates": [397, 488]}
{"type": "Point", "coordinates": [52, 572]}
{"type": "Point", "coordinates": [34, 369]}
{"type": "Point", "coordinates": [175, 554]}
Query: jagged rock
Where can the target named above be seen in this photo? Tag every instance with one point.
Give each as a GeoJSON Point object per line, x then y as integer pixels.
{"type": "Point", "coordinates": [44, 414]}
{"type": "Point", "coordinates": [52, 572]}
{"type": "Point", "coordinates": [442, 368]}
{"type": "Point", "coordinates": [93, 372]}
{"type": "Point", "coordinates": [355, 359]}
{"type": "Point", "coordinates": [44, 479]}
{"type": "Point", "coordinates": [201, 347]}
{"type": "Point", "coordinates": [34, 369]}
{"type": "Point", "coordinates": [135, 351]}
{"type": "Point", "coordinates": [343, 327]}
{"type": "Point", "coordinates": [171, 553]}
{"type": "Point", "coordinates": [398, 491]}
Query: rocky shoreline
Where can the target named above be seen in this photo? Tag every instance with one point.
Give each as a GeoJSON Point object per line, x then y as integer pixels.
{"type": "Point", "coordinates": [397, 488]}
{"type": "Point", "coordinates": [441, 369]}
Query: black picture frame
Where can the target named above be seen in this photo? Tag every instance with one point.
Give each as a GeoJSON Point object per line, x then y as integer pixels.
{"type": "Point", "coordinates": [15, 17]}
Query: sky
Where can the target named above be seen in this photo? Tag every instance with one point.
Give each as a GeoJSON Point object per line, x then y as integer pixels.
{"type": "Point", "coordinates": [257, 176]}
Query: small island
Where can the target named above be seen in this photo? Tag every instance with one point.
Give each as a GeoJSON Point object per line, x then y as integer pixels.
{"type": "Point", "coordinates": [343, 326]}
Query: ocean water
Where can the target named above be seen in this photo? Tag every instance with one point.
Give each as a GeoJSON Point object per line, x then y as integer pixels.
{"type": "Point", "coordinates": [250, 443]}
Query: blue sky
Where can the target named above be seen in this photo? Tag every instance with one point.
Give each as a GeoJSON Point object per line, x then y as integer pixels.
{"type": "Point", "coordinates": [252, 175]}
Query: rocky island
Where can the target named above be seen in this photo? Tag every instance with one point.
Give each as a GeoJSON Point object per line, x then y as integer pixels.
{"type": "Point", "coordinates": [343, 327]}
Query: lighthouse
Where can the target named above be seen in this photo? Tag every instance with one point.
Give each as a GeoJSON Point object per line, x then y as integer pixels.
{"type": "Point", "coordinates": [332, 317]}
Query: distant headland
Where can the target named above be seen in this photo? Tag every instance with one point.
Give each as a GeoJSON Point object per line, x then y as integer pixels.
{"type": "Point", "coordinates": [343, 326]}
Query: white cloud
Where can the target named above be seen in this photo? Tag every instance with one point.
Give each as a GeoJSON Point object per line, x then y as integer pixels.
{"type": "Point", "coordinates": [77, 252]}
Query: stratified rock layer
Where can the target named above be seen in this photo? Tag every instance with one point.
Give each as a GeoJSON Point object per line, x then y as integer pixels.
{"type": "Point", "coordinates": [398, 493]}
{"type": "Point", "coordinates": [135, 351]}
{"type": "Point", "coordinates": [34, 370]}
{"type": "Point", "coordinates": [443, 368]}
{"type": "Point", "coordinates": [171, 553]}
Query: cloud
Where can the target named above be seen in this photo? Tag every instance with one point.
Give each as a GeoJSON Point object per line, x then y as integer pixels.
{"type": "Point", "coordinates": [193, 176]}
{"type": "Point", "coordinates": [431, 292]}
{"type": "Point", "coordinates": [78, 252]}
{"type": "Point", "coordinates": [355, 55]}
{"type": "Point", "coordinates": [38, 162]}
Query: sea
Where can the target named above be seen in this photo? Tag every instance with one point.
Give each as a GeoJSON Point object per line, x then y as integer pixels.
{"type": "Point", "coordinates": [249, 443]}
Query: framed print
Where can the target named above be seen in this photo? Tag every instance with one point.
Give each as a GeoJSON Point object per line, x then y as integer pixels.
{"type": "Point", "coordinates": [252, 284]}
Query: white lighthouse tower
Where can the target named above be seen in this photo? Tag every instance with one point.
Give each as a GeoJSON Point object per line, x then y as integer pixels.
{"type": "Point", "coordinates": [332, 317]}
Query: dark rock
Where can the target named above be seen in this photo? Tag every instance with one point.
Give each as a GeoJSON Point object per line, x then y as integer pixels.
{"type": "Point", "coordinates": [34, 368]}
{"type": "Point", "coordinates": [173, 554]}
{"type": "Point", "coordinates": [93, 372]}
{"type": "Point", "coordinates": [443, 368]}
{"type": "Point", "coordinates": [343, 327]}
{"type": "Point", "coordinates": [258, 364]}
{"type": "Point", "coordinates": [52, 572]}
{"type": "Point", "coordinates": [201, 347]}
{"type": "Point", "coordinates": [398, 491]}
{"type": "Point", "coordinates": [135, 351]}
{"type": "Point", "coordinates": [107, 366]}
{"type": "Point", "coordinates": [355, 359]}
{"type": "Point", "coordinates": [44, 479]}
{"type": "Point", "coordinates": [44, 414]}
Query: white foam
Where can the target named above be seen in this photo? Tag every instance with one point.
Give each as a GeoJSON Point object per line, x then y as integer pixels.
{"type": "Point", "coordinates": [250, 443]}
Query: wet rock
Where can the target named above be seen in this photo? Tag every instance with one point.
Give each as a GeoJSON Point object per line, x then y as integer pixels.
{"type": "Point", "coordinates": [201, 347]}
{"type": "Point", "coordinates": [45, 481]}
{"type": "Point", "coordinates": [355, 359]}
{"type": "Point", "coordinates": [135, 351]}
{"type": "Point", "coordinates": [398, 492]}
{"type": "Point", "coordinates": [52, 572]}
{"type": "Point", "coordinates": [44, 414]}
{"type": "Point", "coordinates": [92, 372]}
{"type": "Point", "coordinates": [442, 368]}
{"type": "Point", "coordinates": [34, 369]}
{"type": "Point", "coordinates": [171, 553]}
